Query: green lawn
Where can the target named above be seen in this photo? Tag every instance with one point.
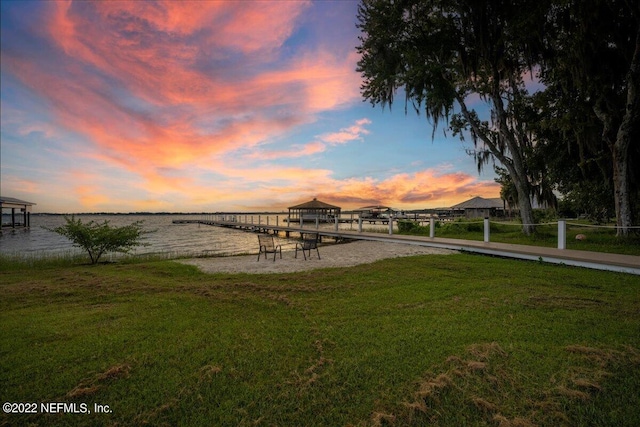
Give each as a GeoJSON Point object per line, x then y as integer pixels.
{"type": "Point", "coordinates": [428, 340]}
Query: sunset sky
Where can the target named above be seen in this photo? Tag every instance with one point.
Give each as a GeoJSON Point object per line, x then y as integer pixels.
{"type": "Point", "coordinates": [124, 106]}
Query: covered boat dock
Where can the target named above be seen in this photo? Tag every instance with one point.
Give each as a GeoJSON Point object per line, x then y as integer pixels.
{"type": "Point", "coordinates": [20, 212]}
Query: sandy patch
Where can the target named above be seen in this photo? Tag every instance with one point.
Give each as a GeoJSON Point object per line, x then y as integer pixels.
{"type": "Point", "coordinates": [332, 255]}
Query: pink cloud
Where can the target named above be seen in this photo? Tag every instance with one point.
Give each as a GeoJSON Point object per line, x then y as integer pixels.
{"type": "Point", "coordinates": [17, 184]}
{"type": "Point", "coordinates": [144, 81]}
{"type": "Point", "coordinates": [262, 26]}
{"type": "Point", "coordinates": [168, 92]}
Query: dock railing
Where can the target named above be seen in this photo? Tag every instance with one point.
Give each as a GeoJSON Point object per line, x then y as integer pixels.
{"type": "Point", "coordinates": [266, 221]}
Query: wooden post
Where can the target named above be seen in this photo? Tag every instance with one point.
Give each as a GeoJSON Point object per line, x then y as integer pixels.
{"type": "Point", "coordinates": [336, 220]}
{"type": "Point", "coordinates": [317, 222]}
{"type": "Point", "coordinates": [432, 227]}
{"type": "Point", "coordinates": [390, 224]}
{"type": "Point", "coordinates": [359, 225]}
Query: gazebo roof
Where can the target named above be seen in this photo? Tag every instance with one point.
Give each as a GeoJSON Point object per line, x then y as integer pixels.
{"type": "Point", "coordinates": [480, 203]}
{"type": "Point", "coordinates": [314, 204]}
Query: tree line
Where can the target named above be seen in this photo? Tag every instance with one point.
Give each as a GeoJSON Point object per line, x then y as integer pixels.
{"type": "Point", "coordinates": [560, 79]}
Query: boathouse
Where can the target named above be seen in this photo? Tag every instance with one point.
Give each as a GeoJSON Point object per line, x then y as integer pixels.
{"type": "Point", "coordinates": [20, 212]}
{"type": "Point", "coordinates": [312, 210]}
{"type": "Point", "coordinates": [479, 207]}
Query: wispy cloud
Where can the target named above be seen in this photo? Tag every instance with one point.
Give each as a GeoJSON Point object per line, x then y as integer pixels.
{"type": "Point", "coordinates": [351, 133]}
{"type": "Point", "coordinates": [354, 132]}
{"type": "Point", "coordinates": [165, 84]}
{"type": "Point", "coordinates": [135, 105]}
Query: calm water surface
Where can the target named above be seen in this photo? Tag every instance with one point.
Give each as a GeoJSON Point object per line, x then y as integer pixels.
{"type": "Point", "coordinates": [165, 238]}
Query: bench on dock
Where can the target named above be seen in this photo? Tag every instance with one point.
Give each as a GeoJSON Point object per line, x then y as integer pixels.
{"type": "Point", "coordinates": [309, 242]}
{"type": "Point", "coordinates": [267, 246]}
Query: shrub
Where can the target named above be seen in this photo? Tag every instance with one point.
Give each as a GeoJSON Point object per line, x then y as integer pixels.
{"type": "Point", "coordinates": [406, 226]}
{"type": "Point", "coordinates": [97, 238]}
{"type": "Point", "coordinates": [541, 216]}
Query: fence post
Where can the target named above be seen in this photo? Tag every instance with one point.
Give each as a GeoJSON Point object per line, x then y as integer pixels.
{"type": "Point", "coordinates": [486, 229]}
{"type": "Point", "coordinates": [317, 222]}
{"type": "Point", "coordinates": [432, 227]}
{"type": "Point", "coordinates": [359, 225]}
{"type": "Point", "coordinates": [277, 221]}
{"type": "Point", "coordinates": [390, 225]}
{"type": "Point", "coordinates": [562, 234]}
{"type": "Point", "coordinates": [336, 219]}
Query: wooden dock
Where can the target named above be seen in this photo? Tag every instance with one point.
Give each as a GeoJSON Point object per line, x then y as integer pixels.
{"type": "Point", "coordinates": [597, 260]}
{"type": "Point", "coordinates": [287, 229]}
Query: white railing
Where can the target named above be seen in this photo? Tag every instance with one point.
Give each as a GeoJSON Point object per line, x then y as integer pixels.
{"type": "Point", "coordinates": [562, 224]}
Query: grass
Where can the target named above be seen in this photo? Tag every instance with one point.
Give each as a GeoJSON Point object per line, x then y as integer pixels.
{"type": "Point", "coordinates": [428, 340]}
{"type": "Point", "coordinates": [599, 239]}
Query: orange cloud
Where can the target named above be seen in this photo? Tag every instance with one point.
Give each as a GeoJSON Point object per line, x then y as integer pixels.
{"type": "Point", "coordinates": [422, 189]}
{"type": "Point", "coordinates": [174, 99]}
{"type": "Point", "coordinates": [90, 197]}
{"type": "Point", "coordinates": [152, 85]}
{"type": "Point", "coordinates": [273, 188]}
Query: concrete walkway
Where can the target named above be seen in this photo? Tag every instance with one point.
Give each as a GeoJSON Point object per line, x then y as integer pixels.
{"type": "Point", "coordinates": [589, 259]}
{"type": "Point", "coordinates": [597, 260]}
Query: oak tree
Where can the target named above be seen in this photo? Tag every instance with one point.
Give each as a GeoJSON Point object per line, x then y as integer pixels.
{"type": "Point", "coordinates": [445, 54]}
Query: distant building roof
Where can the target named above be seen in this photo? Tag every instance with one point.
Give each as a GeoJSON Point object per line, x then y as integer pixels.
{"type": "Point", "coordinates": [315, 204]}
{"type": "Point", "coordinates": [13, 201]}
{"type": "Point", "coordinates": [480, 203]}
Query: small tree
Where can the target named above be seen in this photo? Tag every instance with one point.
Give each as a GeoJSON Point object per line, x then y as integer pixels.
{"type": "Point", "coordinates": [97, 238]}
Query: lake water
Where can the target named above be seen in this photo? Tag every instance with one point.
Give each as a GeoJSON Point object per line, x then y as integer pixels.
{"type": "Point", "coordinates": [165, 238]}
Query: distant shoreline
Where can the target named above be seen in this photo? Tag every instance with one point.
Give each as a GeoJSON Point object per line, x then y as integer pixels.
{"type": "Point", "coordinates": [349, 212]}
